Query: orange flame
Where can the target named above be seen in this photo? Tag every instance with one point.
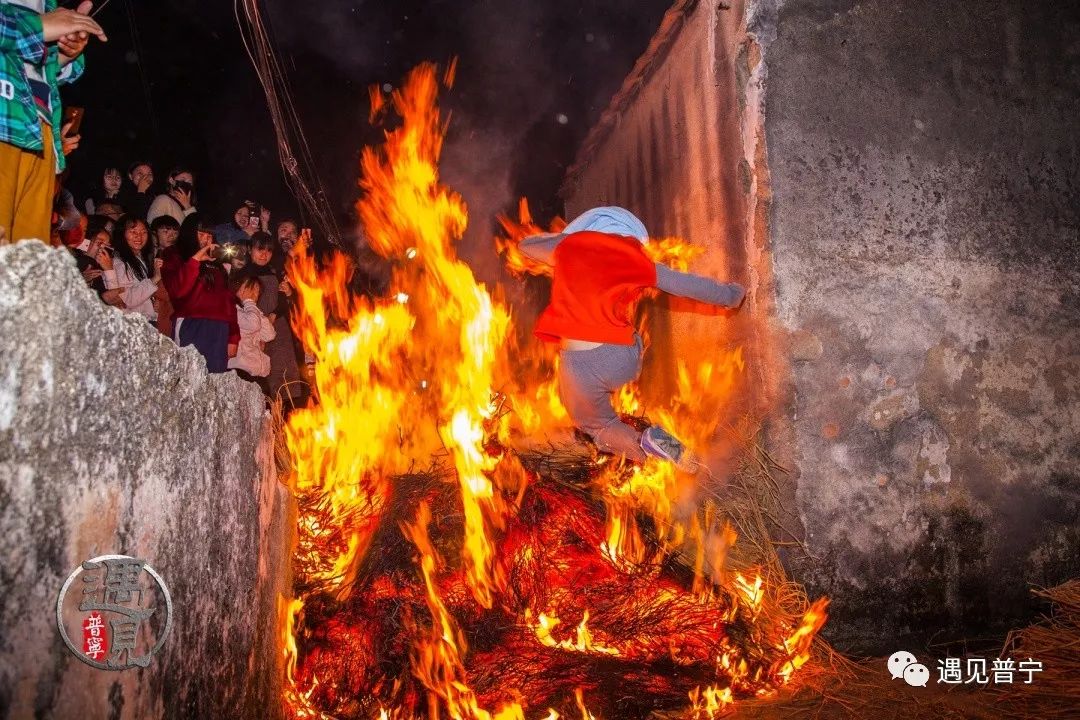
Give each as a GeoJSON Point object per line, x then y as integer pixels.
{"type": "Point", "coordinates": [517, 230]}
{"type": "Point", "coordinates": [413, 375]}
{"type": "Point", "coordinates": [437, 661]}
{"type": "Point", "coordinates": [413, 220]}
{"type": "Point", "coordinates": [583, 641]}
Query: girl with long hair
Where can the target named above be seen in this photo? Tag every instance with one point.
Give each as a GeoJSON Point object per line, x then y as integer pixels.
{"type": "Point", "coordinates": [132, 268]}
{"type": "Point", "coordinates": [204, 313]}
{"type": "Point", "coordinates": [108, 191]}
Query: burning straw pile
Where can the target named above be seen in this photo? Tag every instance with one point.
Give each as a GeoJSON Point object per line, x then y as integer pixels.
{"type": "Point", "coordinates": [442, 574]}
{"type": "Point", "coordinates": [446, 570]}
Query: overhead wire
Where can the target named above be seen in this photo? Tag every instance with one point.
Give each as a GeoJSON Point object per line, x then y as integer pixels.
{"type": "Point", "coordinates": [136, 42]}
{"type": "Point", "coordinates": [294, 152]}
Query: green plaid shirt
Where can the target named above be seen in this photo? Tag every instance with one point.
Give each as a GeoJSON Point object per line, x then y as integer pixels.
{"type": "Point", "coordinates": [22, 41]}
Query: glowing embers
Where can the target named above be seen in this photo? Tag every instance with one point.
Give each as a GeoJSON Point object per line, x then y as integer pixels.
{"type": "Point", "coordinates": [438, 578]}
{"type": "Point", "coordinates": [583, 641]}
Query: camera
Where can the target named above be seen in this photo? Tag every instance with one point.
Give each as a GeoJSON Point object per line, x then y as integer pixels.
{"type": "Point", "coordinates": [183, 186]}
{"type": "Point", "coordinates": [223, 253]}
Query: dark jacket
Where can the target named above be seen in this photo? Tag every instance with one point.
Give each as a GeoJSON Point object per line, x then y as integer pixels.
{"type": "Point", "coordinates": [83, 261]}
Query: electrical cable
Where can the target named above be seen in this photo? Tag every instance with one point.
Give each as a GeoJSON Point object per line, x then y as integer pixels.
{"type": "Point", "coordinates": [294, 152]}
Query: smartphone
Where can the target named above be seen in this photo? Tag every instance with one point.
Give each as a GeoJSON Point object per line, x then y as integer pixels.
{"type": "Point", "coordinates": [74, 115]}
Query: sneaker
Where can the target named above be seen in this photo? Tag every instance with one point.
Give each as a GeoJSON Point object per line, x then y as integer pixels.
{"type": "Point", "coordinates": [658, 442]}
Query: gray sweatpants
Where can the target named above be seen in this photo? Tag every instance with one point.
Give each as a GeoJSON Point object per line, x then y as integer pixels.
{"type": "Point", "coordinates": [587, 378]}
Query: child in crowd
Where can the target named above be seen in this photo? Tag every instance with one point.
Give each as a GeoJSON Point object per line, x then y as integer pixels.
{"type": "Point", "coordinates": [600, 272]}
{"type": "Point", "coordinates": [251, 362]}
{"type": "Point", "coordinates": [165, 230]}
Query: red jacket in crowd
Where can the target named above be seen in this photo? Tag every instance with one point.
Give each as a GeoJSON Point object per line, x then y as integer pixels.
{"type": "Point", "coordinates": [193, 296]}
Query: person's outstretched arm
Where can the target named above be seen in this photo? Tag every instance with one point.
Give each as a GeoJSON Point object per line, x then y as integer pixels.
{"type": "Point", "coordinates": [699, 288]}
{"type": "Point", "coordinates": [541, 248]}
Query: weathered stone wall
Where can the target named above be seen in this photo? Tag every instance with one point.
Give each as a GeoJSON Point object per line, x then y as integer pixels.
{"type": "Point", "coordinates": [115, 441]}
{"type": "Point", "coordinates": [675, 148]}
{"type": "Point", "coordinates": [898, 185]}
{"type": "Point", "coordinates": [926, 211]}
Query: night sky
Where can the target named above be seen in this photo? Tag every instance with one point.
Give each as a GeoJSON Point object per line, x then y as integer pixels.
{"type": "Point", "coordinates": [174, 85]}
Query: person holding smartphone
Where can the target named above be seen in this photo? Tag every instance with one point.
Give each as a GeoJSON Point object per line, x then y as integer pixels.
{"type": "Point", "coordinates": [41, 47]}
{"type": "Point", "coordinates": [178, 199]}
{"type": "Point", "coordinates": [204, 313]}
{"type": "Point", "coordinates": [236, 235]}
{"type": "Point", "coordinates": [275, 301]}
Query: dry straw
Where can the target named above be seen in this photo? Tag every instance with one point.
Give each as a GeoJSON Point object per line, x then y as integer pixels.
{"type": "Point", "coordinates": [832, 685]}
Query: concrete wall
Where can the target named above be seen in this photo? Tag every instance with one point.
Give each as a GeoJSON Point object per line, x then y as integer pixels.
{"type": "Point", "coordinates": [910, 238]}
{"type": "Point", "coordinates": [924, 160]}
{"type": "Point", "coordinates": [671, 150]}
{"type": "Point", "coordinates": [115, 441]}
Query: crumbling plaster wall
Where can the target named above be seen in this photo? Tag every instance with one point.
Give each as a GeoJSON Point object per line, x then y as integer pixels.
{"type": "Point", "coordinates": [115, 441]}
{"type": "Point", "coordinates": [925, 173]}
{"type": "Point", "coordinates": [666, 152]}
{"type": "Point", "coordinates": [897, 185]}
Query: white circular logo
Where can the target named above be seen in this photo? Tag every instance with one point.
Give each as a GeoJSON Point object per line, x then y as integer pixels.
{"type": "Point", "coordinates": [121, 611]}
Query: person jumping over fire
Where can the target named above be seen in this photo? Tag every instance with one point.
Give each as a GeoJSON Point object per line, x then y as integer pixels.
{"type": "Point", "coordinates": [600, 271]}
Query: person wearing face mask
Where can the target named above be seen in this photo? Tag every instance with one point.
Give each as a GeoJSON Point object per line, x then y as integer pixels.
{"type": "Point", "coordinates": [178, 200]}
{"type": "Point", "coordinates": [599, 272]}
{"type": "Point", "coordinates": [133, 268]}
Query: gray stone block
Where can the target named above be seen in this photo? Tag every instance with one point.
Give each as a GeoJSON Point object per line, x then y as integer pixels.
{"type": "Point", "coordinates": [115, 441]}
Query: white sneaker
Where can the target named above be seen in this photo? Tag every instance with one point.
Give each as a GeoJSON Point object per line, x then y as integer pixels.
{"type": "Point", "coordinates": [658, 442]}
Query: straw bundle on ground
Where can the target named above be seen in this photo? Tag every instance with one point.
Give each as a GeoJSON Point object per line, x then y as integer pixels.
{"type": "Point", "coordinates": [830, 685]}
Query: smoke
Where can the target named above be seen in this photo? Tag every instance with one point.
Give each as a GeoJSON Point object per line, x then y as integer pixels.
{"type": "Point", "coordinates": [350, 36]}
{"type": "Point", "coordinates": [532, 78]}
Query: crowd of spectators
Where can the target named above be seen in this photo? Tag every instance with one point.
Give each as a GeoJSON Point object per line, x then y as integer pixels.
{"type": "Point", "coordinates": [219, 287]}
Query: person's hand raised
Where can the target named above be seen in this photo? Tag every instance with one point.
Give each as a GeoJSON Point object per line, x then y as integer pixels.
{"type": "Point", "coordinates": [69, 143]}
{"type": "Point", "coordinates": [205, 252]}
{"type": "Point", "coordinates": [71, 26]}
{"type": "Point", "coordinates": [182, 196]}
{"type": "Point", "coordinates": [143, 180]}
{"type": "Point", "coordinates": [104, 259]}
{"type": "Point", "coordinates": [114, 297]}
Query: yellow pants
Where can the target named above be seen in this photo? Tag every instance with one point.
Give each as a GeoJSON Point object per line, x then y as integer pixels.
{"type": "Point", "coordinates": [27, 188]}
